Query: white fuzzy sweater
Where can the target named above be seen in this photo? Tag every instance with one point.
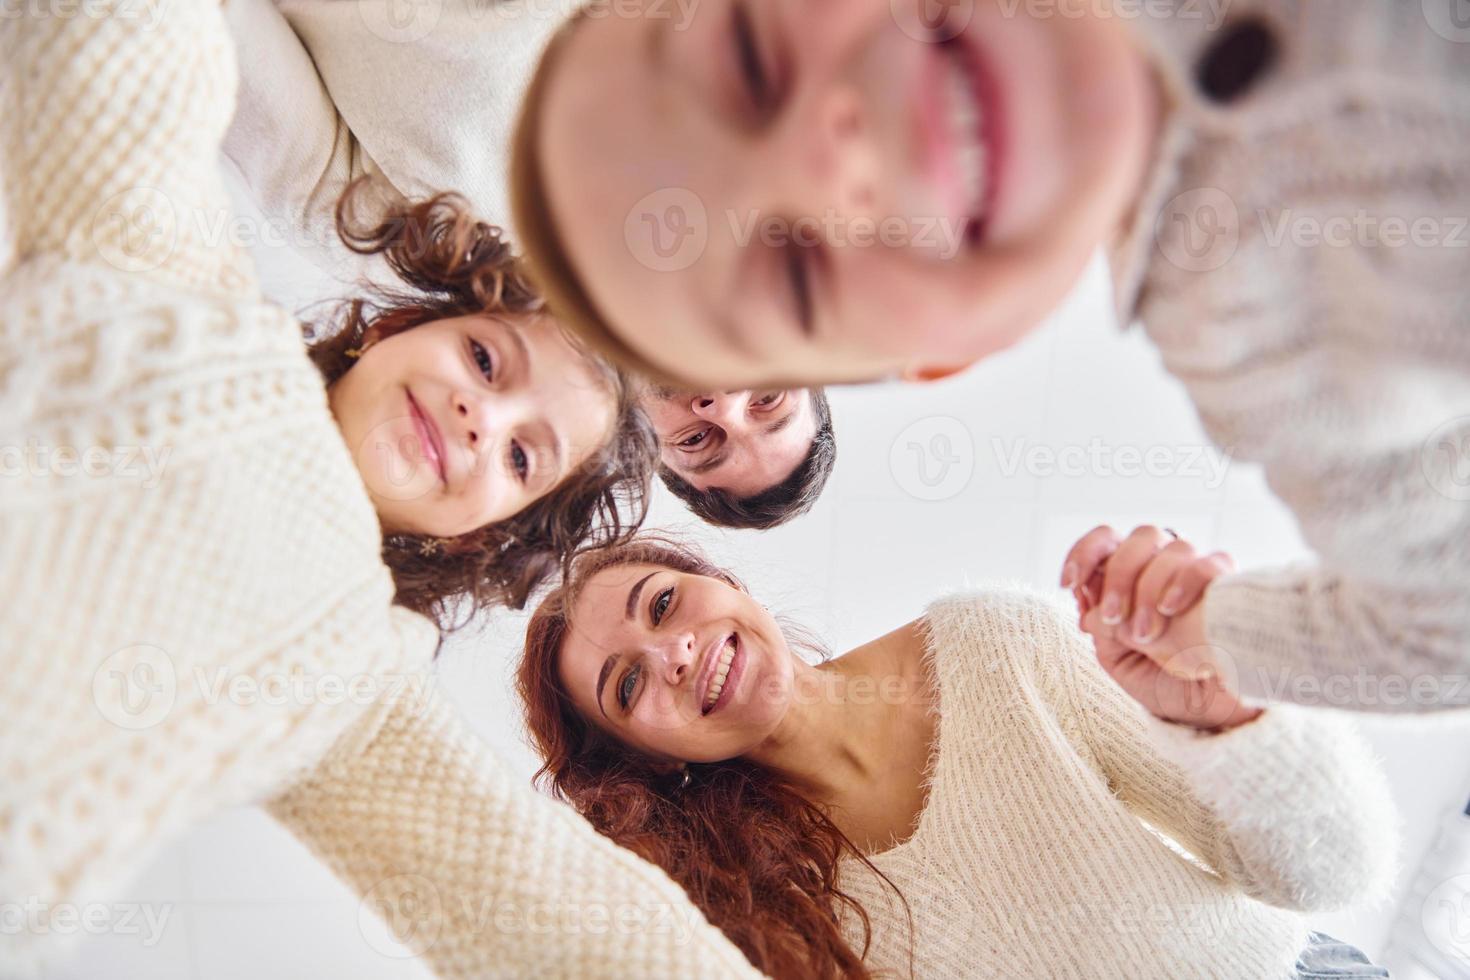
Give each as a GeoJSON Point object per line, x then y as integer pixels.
{"type": "Point", "coordinates": [1301, 257]}
{"type": "Point", "coordinates": [1031, 857]}
{"type": "Point", "coordinates": [195, 612]}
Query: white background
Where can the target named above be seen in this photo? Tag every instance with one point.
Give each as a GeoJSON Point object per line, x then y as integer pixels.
{"type": "Point", "coordinates": [244, 900]}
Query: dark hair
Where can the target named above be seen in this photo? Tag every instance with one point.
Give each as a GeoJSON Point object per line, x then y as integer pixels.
{"type": "Point", "coordinates": [776, 504]}
{"type": "Point", "coordinates": [758, 858]}
{"type": "Point", "coordinates": [449, 264]}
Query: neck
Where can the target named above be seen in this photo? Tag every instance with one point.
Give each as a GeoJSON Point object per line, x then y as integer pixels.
{"type": "Point", "coordinates": [833, 739]}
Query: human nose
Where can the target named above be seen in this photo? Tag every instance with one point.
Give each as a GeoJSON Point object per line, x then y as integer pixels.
{"type": "Point", "coordinates": [482, 422]}
{"type": "Point", "coordinates": [831, 150]}
{"type": "Point", "coordinates": [677, 658]}
{"type": "Point", "coordinates": [724, 408]}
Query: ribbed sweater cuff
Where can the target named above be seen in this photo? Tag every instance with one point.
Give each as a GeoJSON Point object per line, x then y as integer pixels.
{"type": "Point", "coordinates": [1258, 626]}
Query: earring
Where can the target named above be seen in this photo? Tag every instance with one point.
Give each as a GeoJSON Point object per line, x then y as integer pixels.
{"type": "Point", "coordinates": [684, 779]}
{"type": "Point", "coordinates": [353, 353]}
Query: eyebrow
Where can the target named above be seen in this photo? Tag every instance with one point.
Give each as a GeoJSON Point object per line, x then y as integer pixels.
{"type": "Point", "coordinates": [607, 665]}
{"type": "Point", "coordinates": [714, 462]}
{"type": "Point", "coordinates": [634, 593]}
{"type": "Point", "coordinates": [781, 423]}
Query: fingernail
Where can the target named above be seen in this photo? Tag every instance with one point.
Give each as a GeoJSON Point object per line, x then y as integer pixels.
{"type": "Point", "coordinates": [1112, 609]}
{"type": "Point", "coordinates": [1171, 600]}
{"type": "Point", "coordinates": [1069, 575]}
{"type": "Point", "coordinates": [1143, 626]}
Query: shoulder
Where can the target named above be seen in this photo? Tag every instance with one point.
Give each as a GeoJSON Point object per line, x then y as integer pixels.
{"type": "Point", "coordinates": [1000, 614]}
{"type": "Point", "coordinates": [1000, 630]}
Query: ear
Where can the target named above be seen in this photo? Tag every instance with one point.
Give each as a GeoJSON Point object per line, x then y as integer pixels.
{"type": "Point", "coordinates": [923, 373]}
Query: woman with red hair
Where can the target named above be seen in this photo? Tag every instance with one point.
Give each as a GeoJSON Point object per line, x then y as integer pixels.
{"type": "Point", "coordinates": [973, 794]}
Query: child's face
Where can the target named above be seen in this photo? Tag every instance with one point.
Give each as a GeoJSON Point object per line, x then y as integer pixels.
{"type": "Point", "coordinates": [464, 422]}
{"type": "Point", "coordinates": [786, 190]}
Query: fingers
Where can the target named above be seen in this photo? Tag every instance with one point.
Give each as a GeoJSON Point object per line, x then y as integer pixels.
{"type": "Point", "coordinates": [1123, 568]}
{"type": "Point", "coordinates": [1090, 551]}
{"type": "Point", "coordinates": [1189, 582]}
{"type": "Point", "coordinates": [1148, 619]}
{"type": "Point", "coordinates": [1110, 652]}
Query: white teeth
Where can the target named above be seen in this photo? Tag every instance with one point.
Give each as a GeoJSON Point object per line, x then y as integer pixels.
{"type": "Point", "coordinates": [722, 670]}
{"type": "Point", "coordinates": [966, 124]}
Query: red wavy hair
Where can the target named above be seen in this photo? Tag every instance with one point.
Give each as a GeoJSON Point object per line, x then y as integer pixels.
{"type": "Point", "coordinates": [757, 857]}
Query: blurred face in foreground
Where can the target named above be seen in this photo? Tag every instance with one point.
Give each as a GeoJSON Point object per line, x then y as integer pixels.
{"type": "Point", "coordinates": [821, 192]}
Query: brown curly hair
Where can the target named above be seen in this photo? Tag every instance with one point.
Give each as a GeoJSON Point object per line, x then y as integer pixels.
{"type": "Point", "coordinates": [758, 858]}
{"type": "Point", "coordinates": [450, 264]}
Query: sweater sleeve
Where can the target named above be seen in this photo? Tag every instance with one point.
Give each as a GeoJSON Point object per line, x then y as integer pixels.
{"type": "Point", "coordinates": [113, 122]}
{"type": "Point", "coordinates": [481, 875]}
{"type": "Point", "coordinates": [1291, 807]}
{"type": "Point", "coordinates": [1381, 622]}
{"type": "Point", "coordinates": [293, 149]}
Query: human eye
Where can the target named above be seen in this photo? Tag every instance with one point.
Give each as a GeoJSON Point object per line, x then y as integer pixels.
{"type": "Point", "coordinates": [767, 400]}
{"type": "Point", "coordinates": [661, 605]}
{"type": "Point", "coordinates": [757, 81]}
{"type": "Point", "coordinates": [697, 439]}
{"type": "Point", "coordinates": [520, 462]}
{"type": "Point", "coordinates": [798, 274]}
{"type": "Point", "coordinates": [628, 685]}
{"type": "Point", "coordinates": [483, 360]}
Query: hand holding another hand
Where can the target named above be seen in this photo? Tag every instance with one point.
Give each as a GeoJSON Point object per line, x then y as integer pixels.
{"type": "Point", "coordinates": [1139, 598]}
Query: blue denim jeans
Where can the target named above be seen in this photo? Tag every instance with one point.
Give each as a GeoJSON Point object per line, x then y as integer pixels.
{"type": "Point", "coordinates": [1327, 959]}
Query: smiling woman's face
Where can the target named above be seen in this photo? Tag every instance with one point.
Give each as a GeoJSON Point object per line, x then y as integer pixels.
{"type": "Point", "coordinates": [744, 442]}
{"type": "Point", "coordinates": [463, 422]}
{"type": "Point", "coordinates": [685, 668]}
{"type": "Point", "coordinates": [811, 192]}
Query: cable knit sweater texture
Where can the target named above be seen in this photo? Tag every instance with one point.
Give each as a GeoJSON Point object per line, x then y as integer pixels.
{"type": "Point", "coordinates": [144, 605]}
{"type": "Point", "coordinates": [1031, 857]}
{"type": "Point", "coordinates": [1301, 257]}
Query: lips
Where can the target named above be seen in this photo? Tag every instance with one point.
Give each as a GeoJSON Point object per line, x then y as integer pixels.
{"type": "Point", "coordinates": [431, 443]}
{"type": "Point", "coordinates": [722, 674]}
{"type": "Point", "coordinates": [961, 126]}
{"type": "Point", "coordinates": [981, 124]}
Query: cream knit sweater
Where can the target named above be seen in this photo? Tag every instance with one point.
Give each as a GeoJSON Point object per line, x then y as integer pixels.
{"type": "Point", "coordinates": [210, 625]}
{"type": "Point", "coordinates": [1031, 857]}
{"type": "Point", "coordinates": [421, 95]}
{"type": "Point", "coordinates": [1301, 257]}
